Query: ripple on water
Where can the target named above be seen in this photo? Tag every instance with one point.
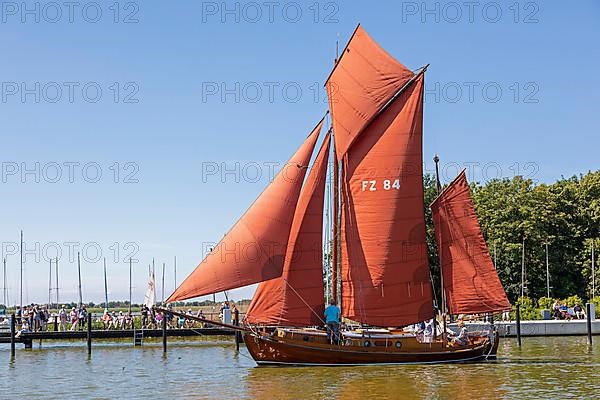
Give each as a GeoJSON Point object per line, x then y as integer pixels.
{"type": "Point", "coordinates": [202, 369]}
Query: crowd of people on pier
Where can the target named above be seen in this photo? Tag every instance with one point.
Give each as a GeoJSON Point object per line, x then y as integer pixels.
{"type": "Point", "coordinates": [37, 318]}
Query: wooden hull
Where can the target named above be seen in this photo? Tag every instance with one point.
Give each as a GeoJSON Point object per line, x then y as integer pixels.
{"type": "Point", "coordinates": [296, 349]}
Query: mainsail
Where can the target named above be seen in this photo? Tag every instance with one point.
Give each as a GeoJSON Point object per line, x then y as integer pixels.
{"type": "Point", "coordinates": [471, 282]}
{"type": "Point", "coordinates": [384, 268]}
{"type": "Point", "coordinates": [297, 297]}
{"type": "Point", "coordinates": [377, 111]}
{"type": "Point", "coordinates": [254, 249]}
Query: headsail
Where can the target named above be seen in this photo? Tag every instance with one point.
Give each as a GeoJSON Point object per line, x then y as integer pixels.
{"type": "Point", "coordinates": [384, 266]}
{"type": "Point", "coordinates": [471, 282]}
{"type": "Point", "coordinates": [362, 82]}
{"type": "Point", "coordinates": [297, 297]}
{"type": "Point", "coordinates": [254, 249]}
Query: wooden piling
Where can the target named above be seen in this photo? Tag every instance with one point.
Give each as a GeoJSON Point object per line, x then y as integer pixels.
{"type": "Point", "coordinates": [236, 322]}
{"type": "Point", "coordinates": [12, 335]}
{"type": "Point", "coordinates": [588, 308]}
{"type": "Point", "coordinates": [164, 333]}
{"type": "Point", "coordinates": [519, 325]}
{"type": "Point", "coordinates": [89, 333]}
{"type": "Point", "coordinates": [55, 323]}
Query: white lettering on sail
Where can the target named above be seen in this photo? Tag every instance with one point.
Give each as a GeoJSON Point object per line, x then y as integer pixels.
{"type": "Point", "coordinates": [387, 184]}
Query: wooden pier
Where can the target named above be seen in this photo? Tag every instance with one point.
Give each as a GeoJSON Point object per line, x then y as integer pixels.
{"type": "Point", "coordinates": [28, 338]}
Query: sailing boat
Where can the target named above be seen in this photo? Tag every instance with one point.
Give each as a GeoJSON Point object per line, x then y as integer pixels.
{"type": "Point", "coordinates": [150, 296]}
{"type": "Point", "coordinates": [379, 269]}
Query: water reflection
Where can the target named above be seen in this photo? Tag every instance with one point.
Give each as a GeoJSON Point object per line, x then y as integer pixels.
{"type": "Point", "coordinates": [211, 369]}
{"type": "Point", "coordinates": [544, 367]}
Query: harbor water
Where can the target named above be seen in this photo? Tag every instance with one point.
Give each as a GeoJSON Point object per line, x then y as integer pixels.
{"type": "Point", "coordinates": [210, 368]}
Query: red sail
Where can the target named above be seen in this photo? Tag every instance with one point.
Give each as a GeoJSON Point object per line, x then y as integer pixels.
{"type": "Point", "coordinates": [362, 82]}
{"type": "Point", "coordinates": [297, 298]}
{"type": "Point", "coordinates": [384, 268]}
{"type": "Point", "coordinates": [471, 282]}
{"type": "Point", "coordinates": [254, 249]}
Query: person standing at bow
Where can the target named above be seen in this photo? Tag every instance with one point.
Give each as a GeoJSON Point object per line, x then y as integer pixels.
{"type": "Point", "coordinates": [332, 319]}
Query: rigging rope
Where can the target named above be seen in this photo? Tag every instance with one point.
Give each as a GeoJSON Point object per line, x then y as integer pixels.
{"type": "Point", "coordinates": [307, 305]}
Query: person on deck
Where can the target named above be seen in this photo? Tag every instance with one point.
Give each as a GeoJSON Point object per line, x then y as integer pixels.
{"type": "Point", "coordinates": [128, 321]}
{"type": "Point", "coordinates": [463, 336]}
{"type": "Point", "coordinates": [169, 317]}
{"type": "Point", "coordinates": [579, 313]}
{"type": "Point", "coordinates": [181, 320]}
{"type": "Point", "coordinates": [74, 318]}
{"type": "Point", "coordinates": [144, 316]}
{"type": "Point", "coordinates": [564, 312]}
{"type": "Point", "coordinates": [62, 318]}
{"type": "Point", "coordinates": [106, 320]}
{"type": "Point", "coordinates": [24, 328]}
{"type": "Point", "coordinates": [37, 319]}
{"type": "Point", "coordinates": [158, 318]}
{"type": "Point", "coordinates": [332, 319]}
{"type": "Point", "coordinates": [200, 314]}
{"type": "Point", "coordinates": [82, 317]}
{"type": "Point", "coordinates": [556, 310]}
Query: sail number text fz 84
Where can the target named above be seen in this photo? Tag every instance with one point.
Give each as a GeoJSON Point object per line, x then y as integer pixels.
{"type": "Point", "coordinates": [374, 185]}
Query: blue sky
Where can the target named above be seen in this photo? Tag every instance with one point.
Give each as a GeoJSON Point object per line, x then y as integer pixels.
{"type": "Point", "coordinates": [175, 94]}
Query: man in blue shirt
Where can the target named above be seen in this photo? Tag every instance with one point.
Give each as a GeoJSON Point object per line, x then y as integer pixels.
{"type": "Point", "coordinates": [332, 319]}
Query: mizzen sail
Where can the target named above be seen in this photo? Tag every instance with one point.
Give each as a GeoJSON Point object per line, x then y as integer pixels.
{"type": "Point", "coordinates": [297, 297]}
{"type": "Point", "coordinates": [471, 282]}
{"type": "Point", "coordinates": [254, 249]}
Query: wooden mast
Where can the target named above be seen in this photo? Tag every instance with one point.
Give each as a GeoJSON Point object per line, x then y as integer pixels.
{"type": "Point", "coordinates": [335, 254]}
{"type": "Point", "coordinates": [438, 185]}
{"type": "Point", "coordinates": [336, 222]}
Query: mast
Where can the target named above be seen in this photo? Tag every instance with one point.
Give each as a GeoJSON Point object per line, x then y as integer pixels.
{"type": "Point", "coordinates": [105, 287]}
{"type": "Point", "coordinates": [162, 297]}
{"type": "Point", "coordinates": [4, 293]}
{"type": "Point", "coordinates": [336, 222]}
{"type": "Point", "coordinates": [436, 160]}
{"type": "Point", "coordinates": [593, 272]}
{"type": "Point", "coordinates": [175, 271]}
{"type": "Point", "coordinates": [547, 273]}
{"type": "Point", "coordinates": [523, 269]}
{"type": "Point", "coordinates": [79, 279]}
{"type": "Point", "coordinates": [495, 259]}
{"type": "Point", "coordinates": [57, 297]}
{"type": "Point", "coordinates": [336, 226]}
{"type": "Point", "coordinates": [21, 279]}
{"type": "Point", "coordinates": [50, 286]}
{"type": "Point", "coordinates": [130, 262]}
